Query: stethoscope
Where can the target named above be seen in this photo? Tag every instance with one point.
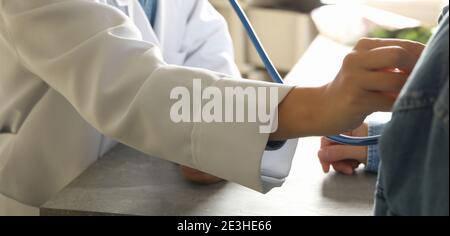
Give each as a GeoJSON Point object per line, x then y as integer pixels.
{"type": "Point", "coordinates": [275, 75]}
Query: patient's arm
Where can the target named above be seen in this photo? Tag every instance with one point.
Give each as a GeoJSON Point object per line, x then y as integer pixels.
{"type": "Point", "coordinates": [344, 159]}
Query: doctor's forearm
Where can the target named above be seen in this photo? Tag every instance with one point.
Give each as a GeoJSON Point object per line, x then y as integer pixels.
{"type": "Point", "coordinates": [301, 114]}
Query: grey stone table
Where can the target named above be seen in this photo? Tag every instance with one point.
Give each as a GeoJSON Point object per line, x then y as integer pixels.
{"type": "Point", "coordinates": [127, 182]}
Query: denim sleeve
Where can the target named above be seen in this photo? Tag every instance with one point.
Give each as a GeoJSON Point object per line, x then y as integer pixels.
{"type": "Point", "coordinates": [373, 156]}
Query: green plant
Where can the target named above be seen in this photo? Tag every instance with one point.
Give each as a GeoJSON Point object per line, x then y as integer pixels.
{"type": "Point", "coordinates": [419, 34]}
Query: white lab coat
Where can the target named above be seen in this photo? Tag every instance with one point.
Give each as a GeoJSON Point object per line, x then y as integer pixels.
{"type": "Point", "coordinates": [75, 72]}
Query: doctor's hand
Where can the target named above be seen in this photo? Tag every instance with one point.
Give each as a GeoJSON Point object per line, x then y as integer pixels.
{"type": "Point", "coordinates": [369, 81]}
{"type": "Point", "coordinates": [198, 177]}
{"type": "Point", "coordinates": [344, 159]}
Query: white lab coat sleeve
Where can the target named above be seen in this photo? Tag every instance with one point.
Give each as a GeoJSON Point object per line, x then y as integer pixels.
{"type": "Point", "coordinates": [207, 39]}
{"type": "Point", "coordinates": [204, 29]}
{"type": "Point", "coordinates": [93, 55]}
{"type": "Point", "coordinates": [276, 165]}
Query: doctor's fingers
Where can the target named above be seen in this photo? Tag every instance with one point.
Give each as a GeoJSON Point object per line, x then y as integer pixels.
{"type": "Point", "coordinates": [412, 47]}
{"type": "Point", "coordinates": [386, 58]}
{"type": "Point", "coordinates": [379, 81]}
{"type": "Point", "coordinates": [197, 176]}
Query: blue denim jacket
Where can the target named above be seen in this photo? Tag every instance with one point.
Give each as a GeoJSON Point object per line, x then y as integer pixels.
{"type": "Point", "coordinates": [373, 154]}
{"type": "Point", "coordinates": [414, 149]}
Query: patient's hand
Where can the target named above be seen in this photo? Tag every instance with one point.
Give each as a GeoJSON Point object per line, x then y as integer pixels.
{"type": "Point", "coordinates": [198, 177]}
{"type": "Point", "coordinates": [344, 159]}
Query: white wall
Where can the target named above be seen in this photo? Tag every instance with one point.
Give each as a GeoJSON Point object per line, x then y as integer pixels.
{"type": "Point", "coordinates": [285, 34]}
{"type": "Point", "coordinates": [426, 11]}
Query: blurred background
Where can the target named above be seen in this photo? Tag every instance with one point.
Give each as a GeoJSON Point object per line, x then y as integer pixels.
{"type": "Point", "coordinates": [323, 31]}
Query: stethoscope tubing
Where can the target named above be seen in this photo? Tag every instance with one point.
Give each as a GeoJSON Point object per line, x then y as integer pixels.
{"type": "Point", "coordinates": [276, 77]}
